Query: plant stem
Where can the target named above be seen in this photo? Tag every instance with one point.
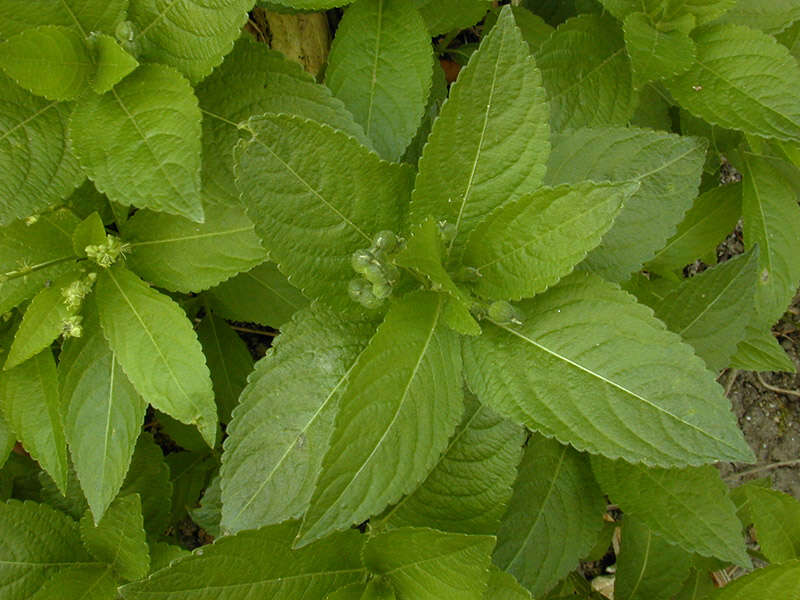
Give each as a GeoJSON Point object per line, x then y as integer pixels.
{"type": "Point", "coordinates": [768, 467]}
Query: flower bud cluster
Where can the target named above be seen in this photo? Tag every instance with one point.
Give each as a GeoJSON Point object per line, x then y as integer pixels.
{"type": "Point", "coordinates": [76, 291]}
{"type": "Point", "coordinates": [72, 327]}
{"type": "Point", "coordinates": [377, 273]}
{"type": "Point", "coordinates": [107, 253]}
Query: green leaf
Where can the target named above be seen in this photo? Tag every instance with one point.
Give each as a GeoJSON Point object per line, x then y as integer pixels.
{"type": "Point", "coordinates": [113, 63]}
{"type": "Point", "coordinates": [255, 80]}
{"type": "Point", "coordinates": [7, 440]}
{"type": "Point", "coordinates": [671, 13]}
{"type": "Point", "coordinates": [149, 477]}
{"type": "Point", "coordinates": [496, 110]}
{"type": "Point", "coordinates": [309, 5]}
{"type": "Point", "coordinates": [656, 54]}
{"type": "Point", "coordinates": [257, 564]}
{"type": "Point", "coordinates": [776, 518]}
{"type": "Point", "coordinates": [534, 29]}
{"type": "Point", "coordinates": [84, 15]}
{"type": "Point", "coordinates": [743, 79]}
{"type": "Point", "coordinates": [760, 351]}
{"type": "Point", "coordinates": [648, 567]}
{"type": "Point", "coordinates": [468, 489]}
{"type": "Point", "coordinates": [207, 514]}
{"type": "Point", "coordinates": [668, 168]}
{"type": "Point", "coordinates": [229, 362]}
{"type": "Point", "coordinates": [70, 501]}
{"type": "Point", "coordinates": [191, 35]}
{"type": "Point", "coordinates": [293, 166]}
{"type": "Point", "coordinates": [86, 200]}
{"type": "Point", "coordinates": [711, 310]}
{"type": "Point", "coordinates": [30, 403]}
{"type": "Point", "coordinates": [377, 588]}
{"type": "Point", "coordinates": [90, 231]}
{"type": "Point", "coordinates": [688, 507]}
{"type": "Point", "coordinates": [380, 66]}
{"type": "Point", "coordinates": [773, 581]}
{"type": "Point", "coordinates": [190, 473]}
{"type": "Point", "coordinates": [33, 254]}
{"type": "Point", "coordinates": [102, 413]}
{"type": "Point", "coordinates": [37, 169]}
{"type": "Point", "coordinates": [119, 539]}
{"type": "Point", "coordinates": [713, 216]}
{"type": "Point", "coordinates": [163, 554]}
{"type": "Point", "coordinates": [80, 582]}
{"type": "Point", "coordinates": [503, 586]}
{"type": "Point", "coordinates": [444, 16]}
{"type": "Point", "coordinates": [770, 16]}
{"type": "Point", "coordinates": [262, 295]}
{"type": "Point", "coordinates": [697, 586]}
{"type": "Point", "coordinates": [180, 255]}
{"type": "Point", "coordinates": [143, 149]}
{"type": "Point", "coordinates": [426, 564]}
{"type": "Point", "coordinates": [625, 387]}
{"type": "Point", "coordinates": [554, 516]}
{"type": "Point", "coordinates": [380, 450]}
{"type": "Point", "coordinates": [281, 428]}
{"type": "Point", "coordinates": [771, 219]}
{"type": "Point", "coordinates": [524, 247]}
{"type": "Point", "coordinates": [43, 321]}
{"type": "Point", "coordinates": [157, 348]}
{"type": "Point", "coordinates": [587, 74]}
{"type": "Point", "coordinates": [36, 541]}
{"type": "Point", "coordinates": [54, 62]}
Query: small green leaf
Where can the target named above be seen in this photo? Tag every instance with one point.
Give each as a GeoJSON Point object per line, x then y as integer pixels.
{"type": "Point", "coordinates": [90, 231]}
{"type": "Point", "coordinates": [83, 15]}
{"type": "Point", "coordinates": [697, 586]}
{"type": "Point", "coordinates": [208, 514]}
{"type": "Point", "coordinates": [444, 16]}
{"type": "Point", "coordinates": [113, 63]}
{"type": "Point", "coordinates": [7, 440]}
{"type": "Point", "coordinates": [760, 351]}
{"type": "Point", "coordinates": [648, 567]}
{"type": "Point", "coordinates": [261, 295]}
{"type": "Point", "coordinates": [80, 582]}
{"type": "Point", "coordinates": [180, 255]}
{"type": "Point", "coordinates": [190, 473]}
{"type": "Point", "coordinates": [294, 166]}
{"type": "Point", "coordinates": [280, 431]}
{"type": "Point", "coordinates": [426, 564]}
{"type": "Point", "coordinates": [119, 539]}
{"type": "Point", "coordinates": [503, 586]}
{"type": "Point", "coordinates": [149, 477]}
{"type": "Point", "coordinates": [257, 564]}
{"type": "Point", "coordinates": [688, 507]}
{"type": "Point", "coordinates": [30, 403]}
{"type": "Point", "coordinates": [157, 348]}
{"type": "Point", "coordinates": [484, 451]}
{"type": "Point", "coordinates": [380, 66]}
{"type": "Point", "coordinates": [776, 519]}
{"type": "Point", "coordinates": [656, 54]}
{"type": "Point", "coordinates": [553, 518]}
{"type": "Point", "coordinates": [163, 554]}
{"type": "Point", "coordinates": [143, 149]}
{"type": "Point", "coordinates": [587, 74]}
{"type": "Point", "coordinates": [411, 372]}
{"type": "Point", "coordinates": [670, 13]}
{"type": "Point", "coordinates": [496, 109]}
{"type": "Point", "coordinates": [54, 62]}
{"type": "Point", "coordinates": [773, 581]}
{"type": "Point", "coordinates": [526, 246]}
{"type": "Point", "coordinates": [70, 501]}
{"type": "Point", "coordinates": [743, 79]}
{"type": "Point", "coordinates": [632, 388]}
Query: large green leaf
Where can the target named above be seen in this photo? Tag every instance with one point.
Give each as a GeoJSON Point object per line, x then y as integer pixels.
{"type": "Point", "coordinates": [119, 538]}
{"type": "Point", "coordinates": [503, 586]}
{"type": "Point", "coordinates": [149, 477]}
{"type": "Point", "coordinates": [30, 403]}
{"type": "Point", "coordinates": [711, 310]}
{"type": "Point", "coordinates": [668, 168]}
{"type": "Point", "coordinates": [675, 13]}
{"type": "Point", "coordinates": [180, 255]}
{"type": "Point", "coordinates": [36, 541]}
{"type": "Point", "coordinates": [191, 35]}
{"type": "Point", "coordinates": [380, 66]}
{"type": "Point", "coordinates": [425, 564]}
{"type": "Point", "coordinates": [102, 413]}
{"type": "Point", "coordinates": [444, 16]}
{"type": "Point", "coordinates": [776, 519]}
{"type": "Point", "coordinates": [469, 487]}
{"type": "Point", "coordinates": [257, 564]}
{"type": "Point", "coordinates": [624, 386]}
{"type": "Point", "coordinates": [774, 581]}
{"type": "Point", "coordinates": [54, 62]}
{"type": "Point", "coordinates": [770, 16]}
{"type": "Point", "coordinates": [281, 428]}
{"type": "Point", "coordinates": [688, 507]}
{"type": "Point", "coordinates": [587, 74]}
{"type": "Point", "coordinates": [292, 167]}
{"type": "Point", "coordinates": [384, 448]}
{"type": "Point", "coordinates": [37, 169]}
{"type": "Point", "coordinates": [524, 247]}
{"type": "Point", "coordinates": [157, 348]}
{"type": "Point", "coordinates": [255, 80]}
{"type": "Point", "coordinates": [554, 516]}
{"type": "Point", "coordinates": [496, 110]}
{"type": "Point", "coordinates": [84, 15]}
{"type": "Point", "coordinates": [261, 295]}
{"type": "Point", "coordinates": [140, 143]}
{"type": "Point", "coordinates": [80, 582]}
{"type": "Point", "coordinates": [743, 79]}
{"type": "Point", "coordinates": [648, 567]}
{"type": "Point", "coordinates": [655, 54]}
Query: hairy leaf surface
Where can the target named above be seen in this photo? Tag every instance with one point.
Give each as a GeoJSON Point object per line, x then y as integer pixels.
{"type": "Point", "coordinates": [677, 12]}
{"type": "Point", "coordinates": [384, 447]}
{"type": "Point", "coordinates": [770, 16]}
{"type": "Point", "coordinates": [444, 16]}
{"type": "Point", "coordinates": [656, 54]}
{"type": "Point", "coordinates": [84, 15]}
{"type": "Point", "coordinates": [113, 63]}
{"type": "Point", "coordinates": [593, 368]}
{"type": "Point", "coordinates": [80, 582]}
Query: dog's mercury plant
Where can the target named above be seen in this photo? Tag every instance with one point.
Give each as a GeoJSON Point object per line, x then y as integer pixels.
{"type": "Point", "coordinates": [485, 333]}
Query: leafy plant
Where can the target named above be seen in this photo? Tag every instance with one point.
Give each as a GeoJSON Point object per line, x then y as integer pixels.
{"type": "Point", "coordinates": [485, 332]}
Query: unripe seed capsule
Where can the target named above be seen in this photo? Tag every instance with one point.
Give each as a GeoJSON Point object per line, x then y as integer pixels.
{"type": "Point", "coordinates": [374, 274]}
{"type": "Point", "coordinates": [503, 312]}
{"type": "Point", "coordinates": [370, 301]}
{"type": "Point", "coordinates": [382, 290]}
{"type": "Point", "coordinates": [360, 260]}
{"type": "Point", "coordinates": [356, 288]}
{"type": "Point", "coordinates": [385, 240]}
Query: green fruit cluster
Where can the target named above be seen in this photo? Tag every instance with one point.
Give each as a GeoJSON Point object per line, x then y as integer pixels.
{"type": "Point", "coordinates": [377, 273]}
